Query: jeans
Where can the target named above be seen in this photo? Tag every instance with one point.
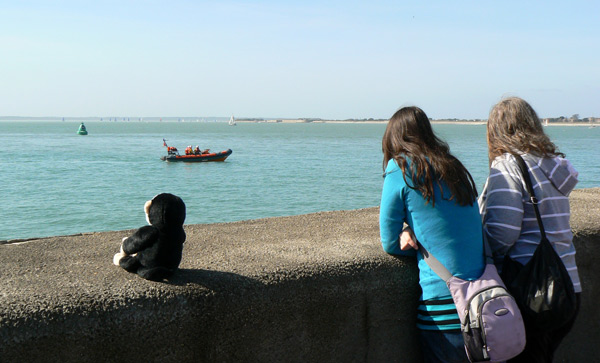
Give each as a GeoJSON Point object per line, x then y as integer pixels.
{"type": "Point", "coordinates": [441, 346]}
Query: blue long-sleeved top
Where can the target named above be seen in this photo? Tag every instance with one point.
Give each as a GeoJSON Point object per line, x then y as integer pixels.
{"type": "Point", "coordinates": [450, 232]}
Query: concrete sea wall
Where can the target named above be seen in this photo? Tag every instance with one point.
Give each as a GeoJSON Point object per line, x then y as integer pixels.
{"type": "Point", "coordinates": [309, 288]}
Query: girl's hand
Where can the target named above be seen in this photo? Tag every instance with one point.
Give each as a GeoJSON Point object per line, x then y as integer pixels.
{"type": "Point", "coordinates": [408, 240]}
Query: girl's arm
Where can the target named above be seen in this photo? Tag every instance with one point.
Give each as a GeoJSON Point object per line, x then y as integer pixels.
{"type": "Point", "coordinates": [501, 206]}
{"type": "Point", "coordinates": [392, 214]}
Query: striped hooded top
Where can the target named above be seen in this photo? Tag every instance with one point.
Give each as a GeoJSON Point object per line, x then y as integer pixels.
{"type": "Point", "coordinates": [509, 218]}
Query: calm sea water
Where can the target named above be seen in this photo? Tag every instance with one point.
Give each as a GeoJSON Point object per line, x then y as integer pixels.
{"type": "Point", "coordinates": [55, 182]}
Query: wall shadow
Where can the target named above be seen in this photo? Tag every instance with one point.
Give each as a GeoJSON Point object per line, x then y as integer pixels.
{"type": "Point", "coordinates": [218, 281]}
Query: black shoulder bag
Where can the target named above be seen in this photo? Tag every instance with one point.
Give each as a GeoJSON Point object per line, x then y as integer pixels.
{"type": "Point", "coordinates": [542, 288]}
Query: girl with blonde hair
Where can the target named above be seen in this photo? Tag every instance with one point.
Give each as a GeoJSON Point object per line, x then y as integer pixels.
{"type": "Point", "coordinates": [509, 220]}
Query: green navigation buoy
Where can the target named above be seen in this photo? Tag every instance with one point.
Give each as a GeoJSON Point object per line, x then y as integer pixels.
{"type": "Point", "coordinates": [82, 130]}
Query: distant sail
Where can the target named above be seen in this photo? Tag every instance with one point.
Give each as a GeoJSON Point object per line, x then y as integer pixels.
{"type": "Point", "coordinates": [232, 121]}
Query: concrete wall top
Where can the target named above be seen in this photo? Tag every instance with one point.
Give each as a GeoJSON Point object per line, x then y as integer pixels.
{"type": "Point", "coordinates": [258, 290]}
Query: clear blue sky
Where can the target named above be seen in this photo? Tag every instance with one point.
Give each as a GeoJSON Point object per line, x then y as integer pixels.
{"type": "Point", "coordinates": [327, 59]}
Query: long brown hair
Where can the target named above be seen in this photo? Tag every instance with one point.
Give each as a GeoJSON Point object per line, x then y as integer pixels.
{"type": "Point", "coordinates": [409, 136]}
{"type": "Point", "coordinates": [514, 126]}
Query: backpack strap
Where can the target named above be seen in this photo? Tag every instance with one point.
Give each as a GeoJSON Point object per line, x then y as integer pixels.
{"type": "Point", "coordinates": [441, 270]}
{"type": "Point", "coordinates": [534, 201]}
{"type": "Point", "coordinates": [435, 264]}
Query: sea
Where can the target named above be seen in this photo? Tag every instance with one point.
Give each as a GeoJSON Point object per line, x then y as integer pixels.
{"type": "Point", "coordinates": [55, 182]}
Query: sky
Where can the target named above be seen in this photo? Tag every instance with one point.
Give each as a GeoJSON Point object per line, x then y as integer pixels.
{"type": "Point", "coordinates": [297, 59]}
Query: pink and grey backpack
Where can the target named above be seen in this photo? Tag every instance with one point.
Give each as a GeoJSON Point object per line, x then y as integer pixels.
{"type": "Point", "coordinates": [491, 322]}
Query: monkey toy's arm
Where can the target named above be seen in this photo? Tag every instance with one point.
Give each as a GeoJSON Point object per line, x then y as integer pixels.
{"type": "Point", "coordinates": [141, 239]}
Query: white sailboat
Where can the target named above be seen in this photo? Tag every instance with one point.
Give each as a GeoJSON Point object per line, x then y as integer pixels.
{"type": "Point", "coordinates": [232, 121]}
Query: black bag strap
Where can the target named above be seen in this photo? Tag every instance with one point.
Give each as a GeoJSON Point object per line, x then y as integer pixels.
{"type": "Point", "coordinates": [534, 201]}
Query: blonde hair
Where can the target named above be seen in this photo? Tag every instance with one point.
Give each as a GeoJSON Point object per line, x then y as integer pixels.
{"type": "Point", "coordinates": [514, 126]}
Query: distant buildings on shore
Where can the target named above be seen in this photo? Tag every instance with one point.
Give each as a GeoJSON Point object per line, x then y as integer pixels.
{"type": "Point", "coordinates": [573, 119]}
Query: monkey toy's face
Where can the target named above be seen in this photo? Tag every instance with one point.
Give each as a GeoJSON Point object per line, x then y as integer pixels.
{"type": "Point", "coordinates": [147, 211]}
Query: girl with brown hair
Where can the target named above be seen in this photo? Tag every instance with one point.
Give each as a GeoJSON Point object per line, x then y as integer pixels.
{"type": "Point", "coordinates": [431, 191]}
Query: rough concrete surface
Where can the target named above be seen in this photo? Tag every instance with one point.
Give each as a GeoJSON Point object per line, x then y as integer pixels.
{"type": "Point", "coordinates": [309, 288]}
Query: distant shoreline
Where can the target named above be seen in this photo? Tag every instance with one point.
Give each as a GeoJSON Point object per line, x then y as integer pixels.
{"type": "Point", "coordinates": [270, 121]}
{"type": "Point", "coordinates": [441, 122]}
